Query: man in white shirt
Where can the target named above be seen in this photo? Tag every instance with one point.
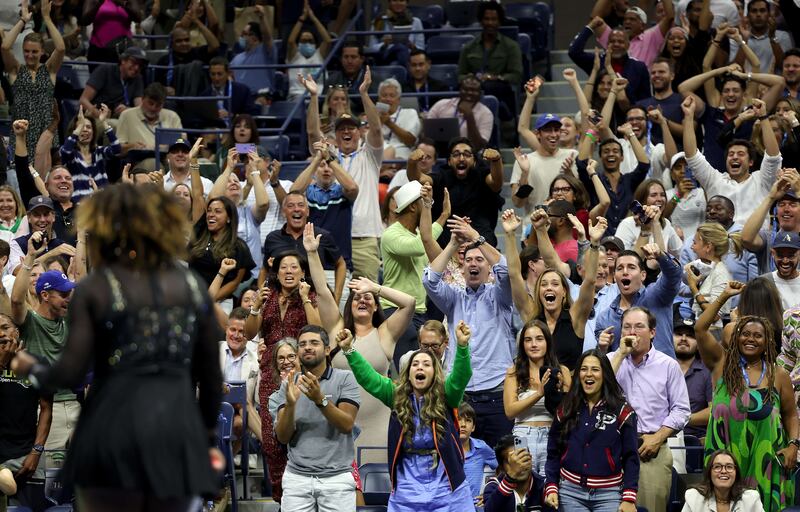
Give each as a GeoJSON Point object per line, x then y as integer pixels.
{"type": "Point", "coordinates": [401, 126]}
{"type": "Point", "coordinates": [178, 162]}
{"type": "Point", "coordinates": [743, 188]}
{"type": "Point", "coordinates": [723, 11]}
{"type": "Point", "coordinates": [786, 255]}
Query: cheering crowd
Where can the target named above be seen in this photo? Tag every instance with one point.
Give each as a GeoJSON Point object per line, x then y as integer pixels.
{"type": "Point", "coordinates": [565, 342]}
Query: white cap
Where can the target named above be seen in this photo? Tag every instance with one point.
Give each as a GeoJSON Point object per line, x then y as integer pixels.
{"type": "Point", "coordinates": [407, 194]}
{"type": "Point", "coordinates": [677, 156]}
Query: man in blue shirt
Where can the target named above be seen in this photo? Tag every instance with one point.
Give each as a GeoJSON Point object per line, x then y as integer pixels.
{"type": "Point", "coordinates": [256, 39]}
{"type": "Point", "coordinates": [630, 273]}
{"type": "Point", "coordinates": [489, 308]}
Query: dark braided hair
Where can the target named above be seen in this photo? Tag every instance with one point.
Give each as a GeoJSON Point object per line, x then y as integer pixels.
{"type": "Point", "coordinates": [732, 373]}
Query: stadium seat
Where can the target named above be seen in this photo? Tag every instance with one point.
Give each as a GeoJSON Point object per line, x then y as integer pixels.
{"type": "Point", "coordinates": [57, 508]}
{"type": "Point", "coordinates": [546, 18]}
{"type": "Point", "coordinates": [694, 454]}
{"type": "Point", "coordinates": [292, 169]}
{"type": "Point", "coordinates": [224, 440]}
{"type": "Point", "coordinates": [462, 14]}
{"type": "Point", "coordinates": [277, 145]}
{"type": "Point", "coordinates": [371, 508]}
{"type": "Point", "coordinates": [445, 73]}
{"type": "Point", "coordinates": [446, 49]}
{"type": "Point", "coordinates": [19, 509]}
{"type": "Point", "coordinates": [376, 483]}
{"type": "Point", "coordinates": [236, 394]}
{"type": "Point", "coordinates": [432, 16]}
{"type": "Point", "coordinates": [69, 109]}
{"type": "Point", "coordinates": [276, 114]}
{"type": "Point", "coordinates": [154, 55]}
{"type": "Point", "coordinates": [524, 41]}
{"type": "Point", "coordinates": [381, 73]}
{"type": "Point", "coordinates": [493, 104]}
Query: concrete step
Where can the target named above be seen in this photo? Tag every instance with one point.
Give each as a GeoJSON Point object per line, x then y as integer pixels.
{"type": "Point", "coordinates": [557, 69]}
{"type": "Point", "coordinates": [557, 104]}
{"type": "Point", "coordinates": [557, 88]}
{"type": "Point", "coordinates": [560, 57]}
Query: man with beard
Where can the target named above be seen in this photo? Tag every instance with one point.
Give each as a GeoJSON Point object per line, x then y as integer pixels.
{"type": "Point", "coordinates": [743, 269]}
{"type": "Point", "coordinates": [617, 50]}
{"type": "Point", "coordinates": [755, 236]}
{"type": "Point", "coordinates": [791, 73]}
{"type": "Point", "coordinates": [137, 126]}
{"type": "Point", "coordinates": [737, 184]}
{"type": "Point", "coordinates": [41, 219]}
{"type": "Point", "coordinates": [664, 98]}
{"type": "Point", "coordinates": [765, 40]}
{"type": "Point", "coordinates": [722, 114]}
{"type": "Point", "coordinates": [22, 435]}
{"type": "Point", "coordinates": [696, 374]}
{"type": "Point", "coordinates": [419, 65]}
{"type": "Point", "coordinates": [646, 43]}
{"type": "Point", "coordinates": [620, 187]}
{"type": "Point", "coordinates": [539, 169]}
{"type": "Point", "coordinates": [45, 330]}
{"type": "Point", "coordinates": [786, 256]}
{"type": "Point", "coordinates": [181, 52]}
{"type": "Point", "coordinates": [178, 160]}
{"type": "Point", "coordinates": [314, 412]}
{"type": "Point", "coordinates": [475, 120]}
{"type": "Point", "coordinates": [474, 191]}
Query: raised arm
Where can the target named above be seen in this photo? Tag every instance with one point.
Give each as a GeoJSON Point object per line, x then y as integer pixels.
{"type": "Point", "coordinates": [57, 57]}
{"type": "Point", "coordinates": [519, 292]}
{"type": "Point", "coordinates": [669, 15]}
{"type": "Point", "coordinates": [582, 307]}
{"type": "Point", "coordinates": [541, 223]}
{"type": "Point", "coordinates": [711, 350]}
{"type": "Point", "coordinates": [583, 104]}
{"type": "Point", "coordinates": [9, 60]}
{"type": "Point", "coordinates": [312, 115]}
{"type": "Point", "coordinates": [393, 327]}
{"type": "Point", "coordinates": [525, 169]}
{"type": "Point", "coordinates": [328, 307]}
{"type": "Point", "coordinates": [374, 383]}
{"type": "Point", "coordinates": [524, 123]}
{"type": "Point", "coordinates": [221, 183]}
{"type": "Point", "coordinates": [603, 199]}
{"type": "Point", "coordinates": [375, 132]}
{"type": "Point", "coordinates": [495, 178]}
{"type": "Point", "coordinates": [751, 239]}
{"type": "Point", "coordinates": [19, 306]}
{"type": "Point", "coordinates": [302, 182]}
{"type": "Point", "coordinates": [259, 209]}
{"type": "Point", "coordinates": [641, 155]}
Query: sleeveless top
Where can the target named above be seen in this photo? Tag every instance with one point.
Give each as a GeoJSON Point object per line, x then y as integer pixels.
{"type": "Point", "coordinates": [536, 412]}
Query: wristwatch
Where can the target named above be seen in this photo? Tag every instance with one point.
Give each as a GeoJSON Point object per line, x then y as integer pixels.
{"type": "Point", "coordinates": [795, 442]}
{"type": "Point", "coordinates": [479, 242]}
{"type": "Point", "coordinates": [324, 403]}
{"type": "Point", "coordinates": [38, 448]}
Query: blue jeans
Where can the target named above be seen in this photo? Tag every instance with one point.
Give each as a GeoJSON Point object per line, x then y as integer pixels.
{"type": "Point", "coordinates": [575, 498]}
{"type": "Point", "coordinates": [536, 441]}
{"type": "Point", "coordinates": [491, 422]}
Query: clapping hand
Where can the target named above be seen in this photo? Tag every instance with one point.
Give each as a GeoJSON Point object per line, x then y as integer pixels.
{"type": "Point", "coordinates": [310, 242]}
{"type": "Point", "coordinates": [511, 221]}
{"type": "Point", "coordinates": [577, 225]}
{"type": "Point", "coordinates": [364, 87]}
{"type": "Point", "coordinates": [597, 230]}
{"type": "Point", "coordinates": [461, 229]}
{"type": "Point", "coordinates": [344, 340]}
{"type": "Point", "coordinates": [463, 334]}
{"type": "Point", "coordinates": [522, 159]}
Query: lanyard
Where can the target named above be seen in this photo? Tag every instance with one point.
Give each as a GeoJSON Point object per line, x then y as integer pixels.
{"type": "Point", "coordinates": [458, 115]}
{"type": "Point", "coordinates": [125, 94]}
{"type": "Point", "coordinates": [424, 90]}
{"type": "Point", "coordinates": [221, 103]}
{"type": "Point", "coordinates": [742, 364]}
{"type": "Point", "coordinates": [351, 156]}
{"type": "Point", "coordinates": [171, 70]}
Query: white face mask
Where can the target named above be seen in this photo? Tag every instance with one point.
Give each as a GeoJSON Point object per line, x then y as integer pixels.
{"type": "Point", "coordinates": [307, 49]}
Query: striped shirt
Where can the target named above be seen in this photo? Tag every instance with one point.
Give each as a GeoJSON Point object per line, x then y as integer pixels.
{"type": "Point", "coordinates": [81, 170]}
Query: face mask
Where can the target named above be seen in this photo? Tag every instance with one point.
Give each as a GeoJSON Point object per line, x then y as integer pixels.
{"type": "Point", "coordinates": [243, 41]}
{"type": "Point", "coordinates": [307, 49]}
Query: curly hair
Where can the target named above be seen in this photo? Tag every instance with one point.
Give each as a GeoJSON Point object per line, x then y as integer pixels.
{"type": "Point", "coordinates": [138, 227]}
{"type": "Point", "coordinates": [571, 405]}
{"type": "Point", "coordinates": [434, 408]}
{"type": "Point", "coordinates": [522, 363]}
{"type": "Point", "coordinates": [732, 371]}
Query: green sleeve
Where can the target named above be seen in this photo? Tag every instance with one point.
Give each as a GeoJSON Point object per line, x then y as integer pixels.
{"type": "Point", "coordinates": [373, 382]}
{"type": "Point", "coordinates": [457, 380]}
{"type": "Point", "coordinates": [513, 72]}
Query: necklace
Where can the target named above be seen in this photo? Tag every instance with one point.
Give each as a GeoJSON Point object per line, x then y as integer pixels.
{"type": "Point", "coordinates": [745, 365]}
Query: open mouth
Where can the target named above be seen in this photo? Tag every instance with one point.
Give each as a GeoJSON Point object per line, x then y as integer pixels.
{"type": "Point", "coordinates": [473, 272]}
{"type": "Point", "coordinates": [787, 268]}
{"type": "Point", "coordinates": [611, 159]}
{"type": "Point", "coordinates": [588, 382]}
{"type": "Point", "coordinates": [419, 378]}
{"type": "Point", "coordinates": [362, 306]}
{"type": "Point", "coordinates": [550, 298]}
{"type": "Point", "coordinates": [749, 346]}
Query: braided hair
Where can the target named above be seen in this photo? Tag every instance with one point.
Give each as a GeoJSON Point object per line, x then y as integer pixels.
{"type": "Point", "coordinates": [732, 373]}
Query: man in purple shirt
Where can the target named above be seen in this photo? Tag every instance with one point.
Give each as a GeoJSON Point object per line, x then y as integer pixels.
{"type": "Point", "coordinates": [696, 375]}
{"type": "Point", "coordinates": [654, 385]}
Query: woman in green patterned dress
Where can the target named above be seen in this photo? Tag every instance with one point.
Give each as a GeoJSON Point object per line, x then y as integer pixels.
{"type": "Point", "coordinates": [752, 411]}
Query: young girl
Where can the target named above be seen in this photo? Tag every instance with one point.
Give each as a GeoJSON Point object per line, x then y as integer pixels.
{"type": "Point", "coordinates": [427, 460]}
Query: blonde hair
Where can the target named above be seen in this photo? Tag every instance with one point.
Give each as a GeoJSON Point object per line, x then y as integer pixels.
{"type": "Point", "coordinates": [434, 407]}
{"type": "Point", "coordinates": [713, 233]}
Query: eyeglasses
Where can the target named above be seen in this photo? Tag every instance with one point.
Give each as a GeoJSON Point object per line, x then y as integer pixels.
{"type": "Point", "coordinates": [719, 468]}
{"type": "Point", "coordinates": [290, 358]}
{"type": "Point", "coordinates": [430, 346]}
{"type": "Point", "coordinates": [562, 190]}
{"type": "Point", "coordinates": [460, 154]}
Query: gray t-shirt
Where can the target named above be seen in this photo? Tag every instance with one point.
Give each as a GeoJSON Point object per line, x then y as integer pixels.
{"type": "Point", "coordinates": [317, 448]}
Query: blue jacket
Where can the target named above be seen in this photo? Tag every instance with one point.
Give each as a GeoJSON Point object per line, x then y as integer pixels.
{"type": "Point", "coordinates": [601, 451]}
{"type": "Point", "coordinates": [635, 71]}
{"type": "Point", "coordinates": [242, 99]}
{"type": "Point", "coordinates": [498, 495]}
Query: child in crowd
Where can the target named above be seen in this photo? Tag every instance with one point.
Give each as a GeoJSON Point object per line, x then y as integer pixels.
{"type": "Point", "coordinates": [477, 454]}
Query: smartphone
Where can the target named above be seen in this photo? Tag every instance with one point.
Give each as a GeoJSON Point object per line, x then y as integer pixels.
{"type": "Point", "coordinates": [553, 372]}
{"type": "Point", "coordinates": [519, 443]}
{"type": "Point", "coordinates": [594, 116]}
{"type": "Point", "coordinates": [695, 271]}
{"type": "Point", "coordinates": [638, 210]}
{"type": "Point", "coordinates": [245, 149]}
{"type": "Point", "coordinates": [43, 241]}
{"type": "Point", "coordinates": [382, 107]}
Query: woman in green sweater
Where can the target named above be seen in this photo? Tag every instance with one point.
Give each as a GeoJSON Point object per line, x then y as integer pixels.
{"type": "Point", "coordinates": [427, 460]}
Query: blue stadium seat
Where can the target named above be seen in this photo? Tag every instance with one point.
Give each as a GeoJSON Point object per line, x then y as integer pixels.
{"type": "Point", "coordinates": [446, 73]}
{"type": "Point", "coordinates": [371, 508]}
{"type": "Point", "coordinates": [292, 169]}
{"type": "Point", "coordinates": [462, 14]}
{"type": "Point", "coordinates": [19, 509]}
{"type": "Point", "coordinates": [493, 104]}
{"type": "Point", "coordinates": [524, 41]}
{"type": "Point", "coordinates": [547, 18]}
{"type": "Point", "coordinates": [446, 49]}
{"type": "Point", "coordinates": [432, 16]}
{"type": "Point", "coordinates": [236, 394]}
{"type": "Point", "coordinates": [376, 483]}
{"type": "Point", "coordinates": [224, 440]}
{"type": "Point", "coordinates": [277, 145]}
{"type": "Point", "coordinates": [694, 454]}
{"type": "Point", "coordinates": [381, 73]}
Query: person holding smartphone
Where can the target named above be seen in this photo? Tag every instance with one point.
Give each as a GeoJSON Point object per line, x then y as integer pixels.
{"type": "Point", "coordinates": [516, 483]}
{"type": "Point", "coordinates": [592, 459]}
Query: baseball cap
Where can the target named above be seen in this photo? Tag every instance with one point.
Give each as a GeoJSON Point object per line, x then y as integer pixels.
{"type": "Point", "coordinates": [53, 280]}
{"type": "Point", "coordinates": [40, 201]}
{"type": "Point", "coordinates": [346, 119]}
{"type": "Point", "coordinates": [560, 208]}
{"type": "Point", "coordinates": [680, 155]}
{"type": "Point", "coordinates": [616, 242]}
{"type": "Point", "coordinates": [407, 194]}
{"type": "Point", "coordinates": [545, 120]}
{"type": "Point", "coordinates": [786, 239]}
{"type": "Point", "coordinates": [685, 324]}
{"type": "Point", "coordinates": [639, 12]}
{"type": "Point", "coordinates": [134, 52]}
{"type": "Point", "coordinates": [180, 143]}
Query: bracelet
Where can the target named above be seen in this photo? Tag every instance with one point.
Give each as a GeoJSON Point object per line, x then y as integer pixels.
{"type": "Point", "coordinates": [593, 175]}
{"type": "Point", "coordinates": [274, 185]}
{"type": "Point", "coordinates": [23, 265]}
{"type": "Point", "coordinates": [594, 246]}
{"type": "Point", "coordinates": [644, 234]}
{"type": "Point", "coordinates": [35, 174]}
{"type": "Point", "coordinates": [761, 118]}
{"type": "Point", "coordinates": [427, 203]}
{"type": "Point", "coordinates": [675, 199]}
{"type": "Point", "coordinates": [380, 288]}
{"type": "Point", "coordinates": [254, 311]}
{"type": "Point", "coordinates": [349, 350]}
{"type": "Point", "coordinates": [592, 137]}
{"type": "Point", "coordinates": [583, 243]}
{"type": "Point", "coordinates": [307, 301]}
{"type": "Point", "coordinates": [749, 75]}
{"type": "Point", "coordinates": [254, 173]}
{"type": "Point", "coordinates": [220, 274]}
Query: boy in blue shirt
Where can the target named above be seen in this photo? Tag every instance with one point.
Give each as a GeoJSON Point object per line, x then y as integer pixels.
{"type": "Point", "coordinates": [477, 454]}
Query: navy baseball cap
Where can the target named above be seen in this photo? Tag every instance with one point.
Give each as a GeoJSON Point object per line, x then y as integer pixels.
{"type": "Point", "coordinates": [546, 119]}
{"type": "Point", "coordinates": [786, 239]}
{"type": "Point", "coordinates": [53, 280]}
{"type": "Point", "coordinates": [40, 201]}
